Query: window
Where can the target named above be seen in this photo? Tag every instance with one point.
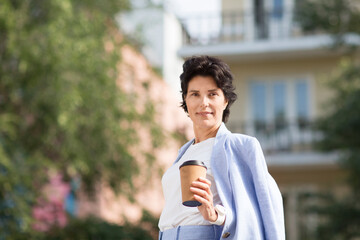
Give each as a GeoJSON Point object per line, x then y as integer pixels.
{"type": "Point", "coordinates": [258, 100]}
{"type": "Point", "coordinates": [278, 9]}
{"type": "Point", "coordinates": [268, 101]}
{"type": "Point", "coordinates": [275, 100]}
{"type": "Point", "coordinates": [279, 100]}
{"type": "Point", "coordinates": [302, 102]}
{"type": "Point", "coordinates": [280, 112]}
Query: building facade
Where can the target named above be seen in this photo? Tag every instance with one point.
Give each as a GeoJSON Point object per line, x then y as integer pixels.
{"type": "Point", "coordinates": [279, 72]}
{"type": "Point", "coordinates": [137, 77]}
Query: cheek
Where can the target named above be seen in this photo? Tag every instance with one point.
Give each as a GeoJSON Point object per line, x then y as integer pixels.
{"type": "Point", "coordinates": [221, 106]}
{"type": "Point", "coordinates": [189, 105]}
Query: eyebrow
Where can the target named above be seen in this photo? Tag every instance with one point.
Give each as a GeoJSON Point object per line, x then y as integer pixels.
{"type": "Point", "coordinates": [211, 90]}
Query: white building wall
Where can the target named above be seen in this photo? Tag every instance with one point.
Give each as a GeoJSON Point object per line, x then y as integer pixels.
{"type": "Point", "coordinates": [172, 63]}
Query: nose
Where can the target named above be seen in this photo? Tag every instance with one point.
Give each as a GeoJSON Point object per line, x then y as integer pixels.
{"type": "Point", "coordinates": [205, 101]}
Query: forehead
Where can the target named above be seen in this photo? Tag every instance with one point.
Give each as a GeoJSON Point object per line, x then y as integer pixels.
{"type": "Point", "coordinates": [201, 82]}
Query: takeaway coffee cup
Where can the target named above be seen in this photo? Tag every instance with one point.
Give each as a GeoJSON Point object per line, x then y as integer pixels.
{"type": "Point", "coordinates": [190, 171]}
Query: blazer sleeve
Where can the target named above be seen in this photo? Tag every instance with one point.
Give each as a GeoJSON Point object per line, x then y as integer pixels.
{"type": "Point", "coordinates": [267, 192]}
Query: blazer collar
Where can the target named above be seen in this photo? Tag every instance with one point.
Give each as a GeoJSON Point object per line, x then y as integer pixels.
{"type": "Point", "coordinates": [221, 132]}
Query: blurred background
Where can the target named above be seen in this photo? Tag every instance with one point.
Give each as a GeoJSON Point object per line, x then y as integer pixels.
{"type": "Point", "coordinates": [90, 116]}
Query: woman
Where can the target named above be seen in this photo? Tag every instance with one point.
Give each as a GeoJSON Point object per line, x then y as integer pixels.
{"type": "Point", "coordinates": [239, 199]}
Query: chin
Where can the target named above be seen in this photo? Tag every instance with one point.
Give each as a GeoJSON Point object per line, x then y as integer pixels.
{"type": "Point", "coordinates": [206, 123]}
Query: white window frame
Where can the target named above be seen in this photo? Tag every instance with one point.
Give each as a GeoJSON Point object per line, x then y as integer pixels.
{"type": "Point", "coordinates": [290, 106]}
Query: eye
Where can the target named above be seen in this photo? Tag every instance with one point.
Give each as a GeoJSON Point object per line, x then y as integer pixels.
{"type": "Point", "coordinates": [194, 94]}
{"type": "Point", "coordinates": [213, 94]}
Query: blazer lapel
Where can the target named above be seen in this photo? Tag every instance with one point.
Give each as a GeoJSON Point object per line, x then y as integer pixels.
{"type": "Point", "coordinates": [183, 150]}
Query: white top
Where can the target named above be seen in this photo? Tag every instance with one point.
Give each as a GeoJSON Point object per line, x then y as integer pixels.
{"type": "Point", "coordinates": [174, 213]}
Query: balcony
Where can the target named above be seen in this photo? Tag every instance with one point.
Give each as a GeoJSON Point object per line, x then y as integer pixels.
{"type": "Point", "coordinates": [287, 143]}
{"type": "Point", "coordinates": [281, 136]}
{"type": "Point", "coordinates": [239, 26]}
{"type": "Point", "coordinates": [253, 34]}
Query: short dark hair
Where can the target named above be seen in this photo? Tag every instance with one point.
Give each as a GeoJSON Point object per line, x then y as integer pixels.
{"type": "Point", "coordinates": [209, 67]}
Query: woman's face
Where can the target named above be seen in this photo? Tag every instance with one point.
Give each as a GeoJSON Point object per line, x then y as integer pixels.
{"type": "Point", "coordinates": [205, 102]}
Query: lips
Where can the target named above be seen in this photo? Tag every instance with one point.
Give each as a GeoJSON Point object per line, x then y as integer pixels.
{"type": "Point", "coordinates": [204, 113]}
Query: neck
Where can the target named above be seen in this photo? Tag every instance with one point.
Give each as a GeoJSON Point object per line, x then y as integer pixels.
{"type": "Point", "coordinates": [202, 134]}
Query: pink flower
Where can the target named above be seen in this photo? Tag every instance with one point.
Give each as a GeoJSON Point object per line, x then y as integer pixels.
{"type": "Point", "coordinates": [50, 210]}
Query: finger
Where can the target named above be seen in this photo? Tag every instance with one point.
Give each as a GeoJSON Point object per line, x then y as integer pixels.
{"type": "Point", "coordinates": [203, 201]}
{"type": "Point", "coordinates": [204, 180]}
{"type": "Point", "coordinates": [201, 185]}
{"type": "Point", "coordinates": [200, 192]}
{"type": "Point", "coordinates": [206, 208]}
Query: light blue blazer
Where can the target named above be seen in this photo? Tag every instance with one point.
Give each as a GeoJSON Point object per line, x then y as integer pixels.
{"type": "Point", "coordinates": [253, 202]}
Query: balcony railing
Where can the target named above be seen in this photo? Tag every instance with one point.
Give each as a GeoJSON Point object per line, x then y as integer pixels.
{"type": "Point", "coordinates": [277, 137]}
{"type": "Point", "coordinates": [240, 27]}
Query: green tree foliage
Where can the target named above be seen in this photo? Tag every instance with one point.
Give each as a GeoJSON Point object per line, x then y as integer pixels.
{"type": "Point", "coordinates": [340, 126]}
{"type": "Point", "coordinates": [89, 228]}
{"type": "Point", "coordinates": [93, 228]}
{"type": "Point", "coordinates": [336, 17]}
{"type": "Point", "coordinates": [60, 107]}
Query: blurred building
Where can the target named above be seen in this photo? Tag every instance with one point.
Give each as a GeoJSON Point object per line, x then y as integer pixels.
{"type": "Point", "coordinates": [279, 71]}
{"type": "Point", "coordinates": [138, 78]}
{"type": "Point", "coordinates": [158, 35]}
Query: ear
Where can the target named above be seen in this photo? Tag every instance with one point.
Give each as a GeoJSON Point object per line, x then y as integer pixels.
{"type": "Point", "coordinates": [226, 103]}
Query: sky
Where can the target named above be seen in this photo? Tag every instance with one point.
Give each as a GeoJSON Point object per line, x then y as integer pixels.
{"type": "Point", "coordinates": [151, 30]}
{"type": "Point", "coordinates": [201, 17]}
{"type": "Point", "coordinates": [183, 8]}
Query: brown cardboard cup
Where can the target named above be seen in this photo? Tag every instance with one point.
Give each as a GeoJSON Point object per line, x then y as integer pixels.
{"type": "Point", "coordinates": [190, 171]}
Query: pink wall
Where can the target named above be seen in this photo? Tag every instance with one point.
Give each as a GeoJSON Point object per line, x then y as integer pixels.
{"type": "Point", "coordinates": [134, 71]}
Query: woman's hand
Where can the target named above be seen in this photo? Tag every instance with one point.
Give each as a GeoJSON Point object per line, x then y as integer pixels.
{"type": "Point", "coordinates": [203, 194]}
